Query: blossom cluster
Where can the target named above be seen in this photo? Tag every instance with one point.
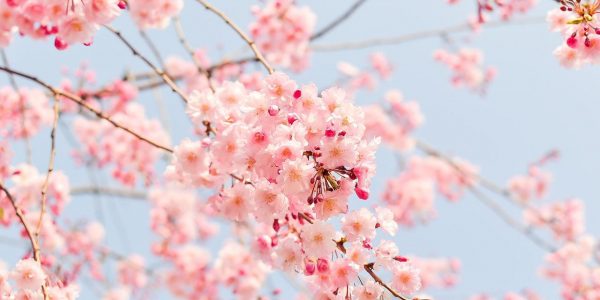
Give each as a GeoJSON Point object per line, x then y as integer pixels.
{"type": "Point", "coordinates": [130, 157]}
{"type": "Point", "coordinates": [410, 196]}
{"type": "Point", "coordinates": [27, 187]}
{"type": "Point", "coordinates": [355, 78]}
{"type": "Point", "coordinates": [303, 153]}
{"type": "Point", "coordinates": [24, 112]}
{"type": "Point", "coordinates": [70, 22]}
{"type": "Point", "coordinates": [154, 13]}
{"type": "Point", "coordinates": [578, 23]}
{"type": "Point", "coordinates": [573, 267]}
{"type": "Point", "coordinates": [28, 277]}
{"type": "Point", "coordinates": [467, 67]}
{"type": "Point", "coordinates": [394, 127]}
{"type": "Point", "coordinates": [282, 30]}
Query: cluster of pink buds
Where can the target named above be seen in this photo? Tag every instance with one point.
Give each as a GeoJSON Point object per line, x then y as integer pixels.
{"type": "Point", "coordinates": [578, 22]}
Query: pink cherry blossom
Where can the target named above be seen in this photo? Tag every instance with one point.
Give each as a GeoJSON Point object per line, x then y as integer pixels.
{"type": "Point", "coordinates": [318, 239]}
{"type": "Point", "coordinates": [28, 274]}
{"type": "Point", "coordinates": [406, 279]}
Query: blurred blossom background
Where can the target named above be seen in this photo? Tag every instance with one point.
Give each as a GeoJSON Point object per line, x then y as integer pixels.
{"type": "Point", "coordinates": [531, 107]}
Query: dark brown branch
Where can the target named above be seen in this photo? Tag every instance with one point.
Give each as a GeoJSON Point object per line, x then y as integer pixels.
{"type": "Point", "coordinates": [57, 92]}
{"type": "Point", "coordinates": [35, 248]}
{"type": "Point", "coordinates": [369, 269]}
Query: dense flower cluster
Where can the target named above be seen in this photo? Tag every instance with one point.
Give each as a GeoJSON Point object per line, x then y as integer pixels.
{"type": "Point", "coordinates": [303, 153]}
{"type": "Point", "coordinates": [578, 22]}
{"type": "Point", "coordinates": [27, 189]}
{"type": "Point", "coordinates": [277, 175]}
{"type": "Point", "coordinates": [573, 267]}
{"type": "Point", "coordinates": [282, 30]}
{"type": "Point", "coordinates": [565, 219]}
{"type": "Point", "coordinates": [70, 22]}
{"type": "Point", "coordinates": [130, 157]}
{"type": "Point", "coordinates": [27, 277]}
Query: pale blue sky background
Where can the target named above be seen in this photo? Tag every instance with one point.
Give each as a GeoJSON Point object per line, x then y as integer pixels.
{"type": "Point", "coordinates": [534, 105]}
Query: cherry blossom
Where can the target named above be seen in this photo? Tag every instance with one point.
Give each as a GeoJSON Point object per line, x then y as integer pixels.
{"type": "Point", "coordinates": [467, 68]}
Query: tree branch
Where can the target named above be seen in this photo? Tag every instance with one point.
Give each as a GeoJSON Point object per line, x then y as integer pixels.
{"type": "Point", "coordinates": [35, 248]}
{"type": "Point", "coordinates": [248, 41]}
{"type": "Point", "coordinates": [338, 20]}
{"type": "Point", "coordinates": [369, 269]}
{"type": "Point", "coordinates": [50, 168]}
{"type": "Point", "coordinates": [162, 74]}
{"type": "Point", "coordinates": [108, 191]}
{"type": "Point", "coordinates": [57, 92]}
{"type": "Point", "coordinates": [505, 216]}
{"type": "Point", "coordinates": [418, 35]}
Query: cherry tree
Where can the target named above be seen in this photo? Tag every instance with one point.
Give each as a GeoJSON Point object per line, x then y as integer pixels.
{"type": "Point", "coordinates": [269, 190]}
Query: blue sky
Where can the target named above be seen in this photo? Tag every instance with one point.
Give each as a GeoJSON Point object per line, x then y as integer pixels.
{"type": "Point", "coordinates": [533, 105]}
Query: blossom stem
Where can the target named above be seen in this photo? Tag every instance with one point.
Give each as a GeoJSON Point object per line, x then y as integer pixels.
{"type": "Point", "coordinates": [237, 29]}
{"type": "Point", "coordinates": [57, 92]}
{"type": "Point", "coordinates": [35, 248]}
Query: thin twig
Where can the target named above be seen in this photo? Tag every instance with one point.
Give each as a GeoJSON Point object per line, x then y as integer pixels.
{"type": "Point", "coordinates": [505, 216]}
{"type": "Point", "coordinates": [50, 168]}
{"type": "Point", "coordinates": [508, 219]}
{"type": "Point", "coordinates": [188, 48]}
{"type": "Point", "coordinates": [248, 41]}
{"type": "Point", "coordinates": [153, 48]}
{"type": "Point", "coordinates": [369, 269]}
{"type": "Point", "coordinates": [57, 92]}
{"type": "Point", "coordinates": [108, 191]}
{"type": "Point", "coordinates": [418, 35]}
{"type": "Point", "coordinates": [338, 20]}
{"type": "Point", "coordinates": [35, 248]}
{"type": "Point", "coordinates": [162, 74]}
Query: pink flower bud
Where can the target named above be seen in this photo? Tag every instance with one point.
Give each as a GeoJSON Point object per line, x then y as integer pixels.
{"type": "Point", "coordinates": [401, 258]}
{"type": "Point", "coordinates": [259, 137]}
{"type": "Point", "coordinates": [274, 110]}
{"type": "Point", "coordinates": [329, 132]}
{"type": "Point", "coordinates": [60, 44]}
{"type": "Point", "coordinates": [264, 243]}
{"type": "Point", "coordinates": [297, 94]}
{"type": "Point", "coordinates": [322, 265]}
{"type": "Point", "coordinates": [292, 117]}
{"type": "Point", "coordinates": [309, 268]}
{"type": "Point", "coordinates": [572, 42]}
{"type": "Point", "coordinates": [361, 193]}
